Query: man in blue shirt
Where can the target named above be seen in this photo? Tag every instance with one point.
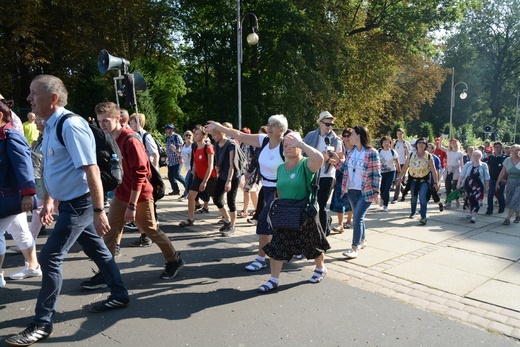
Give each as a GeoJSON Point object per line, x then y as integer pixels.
{"type": "Point", "coordinates": [173, 150]}
{"type": "Point", "coordinates": [72, 177]}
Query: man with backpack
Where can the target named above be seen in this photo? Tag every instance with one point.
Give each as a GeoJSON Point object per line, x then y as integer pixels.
{"type": "Point", "coordinates": [133, 198]}
{"type": "Point", "coordinates": [152, 152]}
{"type": "Point", "coordinates": [72, 177]}
{"type": "Point", "coordinates": [326, 141]}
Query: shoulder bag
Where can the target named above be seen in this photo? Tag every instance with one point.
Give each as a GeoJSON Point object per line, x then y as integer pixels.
{"type": "Point", "coordinates": [291, 214]}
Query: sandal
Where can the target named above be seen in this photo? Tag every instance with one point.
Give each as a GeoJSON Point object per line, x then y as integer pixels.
{"type": "Point", "coordinates": [318, 275]}
{"type": "Point", "coordinates": [242, 214]}
{"type": "Point", "coordinates": [256, 265]}
{"type": "Point", "coordinates": [186, 223]}
{"type": "Point", "coordinates": [506, 222]}
{"type": "Point", "coordinates": [203, 210]}
{"type": "Point", "coordinates": [198, 206]}
{"type": "Point", "coordinates": [338, 229]}
{"type": "Point", "coordinates": [268, 286]}
{"type": "Point", "coordinates": [252, 213]}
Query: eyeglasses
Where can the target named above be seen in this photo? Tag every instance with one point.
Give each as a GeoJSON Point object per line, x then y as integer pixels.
{"type": "Point", "coordinates": [327, 124]}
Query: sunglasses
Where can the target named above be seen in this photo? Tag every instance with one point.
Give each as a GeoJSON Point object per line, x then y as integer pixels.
{"type": "Point", "coordinates": [187, 135]}
{"type": "Point", "coordinates": [328, 124]}
{"type": "Point", "coordinates": [346, 136]}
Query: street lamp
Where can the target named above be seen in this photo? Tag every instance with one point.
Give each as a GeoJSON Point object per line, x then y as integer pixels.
{"type": "Point", "coordinates": [252, 39]}
{"type": "Point", "coordinates": [462, 95]}
{"type": "Point", "coordinates": [516, 116]}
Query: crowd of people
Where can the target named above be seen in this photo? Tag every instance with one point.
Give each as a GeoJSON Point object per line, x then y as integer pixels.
{"type": "Point", "coordinates": [273, 165]}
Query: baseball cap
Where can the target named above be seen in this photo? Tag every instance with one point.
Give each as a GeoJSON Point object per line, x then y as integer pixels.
{"type": "Point", "coordinates": [170, 126]}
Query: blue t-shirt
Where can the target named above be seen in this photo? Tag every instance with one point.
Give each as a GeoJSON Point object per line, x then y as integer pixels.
{"type": "Point", "coordinates": [64, 176]}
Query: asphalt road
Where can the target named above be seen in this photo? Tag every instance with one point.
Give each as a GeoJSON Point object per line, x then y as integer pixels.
{"type": "Point", "coordinates": [214, 302]}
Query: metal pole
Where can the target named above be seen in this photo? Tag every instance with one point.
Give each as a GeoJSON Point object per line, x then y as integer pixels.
{"type": "Point", "coordinates": [239, 63]}
{"type": "Point", "coordinates": [452, 103]}
{"type": "Point", "coordinates": [516, 116]}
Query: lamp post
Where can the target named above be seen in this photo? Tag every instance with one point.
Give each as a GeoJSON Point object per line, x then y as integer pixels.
{"type": "Point", "coordinates": [463, 96]}
{"type": "Point", "coordinates": [252, 39]}
{"type": "Point", "coordinates": [516, 116]}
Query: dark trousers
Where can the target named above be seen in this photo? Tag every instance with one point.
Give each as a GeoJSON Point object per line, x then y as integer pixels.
{"type": "Point", "coordinates": [326, 185]}
{"type": "Point", "coordinates": [500, 195]}
{"type": "Point", "coordinates": [386, 184]}
{"type": "Point", "coordinates": [75, 223]}
{"type": "Point", "coordinates": [231, 196]}
{"type": "Point", "coordinates": [174, 175]}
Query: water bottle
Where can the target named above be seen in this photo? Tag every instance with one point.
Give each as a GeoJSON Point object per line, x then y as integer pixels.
{"type": "Point", "coordinates": [115, 168]}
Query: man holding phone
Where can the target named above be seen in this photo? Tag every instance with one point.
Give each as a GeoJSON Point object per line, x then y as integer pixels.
{"type": "Point", "coordinates": [326, 141]}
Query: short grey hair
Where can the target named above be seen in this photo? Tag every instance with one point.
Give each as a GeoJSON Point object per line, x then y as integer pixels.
{"type": "Point", "coordinates": [477, 152]}
{"type": "Point", "coordinates": [53, 85]}
{"type": "Point", "coordinates": [280, 121]}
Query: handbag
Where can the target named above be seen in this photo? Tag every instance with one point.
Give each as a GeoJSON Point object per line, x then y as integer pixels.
{"type": "Point", "coordinates": [10, 202]}
{"type": "Point", "coordinates": [291, 214]}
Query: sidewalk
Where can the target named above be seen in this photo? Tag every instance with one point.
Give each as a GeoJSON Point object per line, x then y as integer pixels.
{"type": "Point", "coordinates": [464, 271]}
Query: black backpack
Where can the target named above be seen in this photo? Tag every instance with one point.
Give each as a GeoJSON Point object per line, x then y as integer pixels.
{"type": "Point", "coordinates": [105, 146]}
{"type": "Point", "coordinates": [163, 157]}
{"type": "Point", "coordinates": [155, 178]}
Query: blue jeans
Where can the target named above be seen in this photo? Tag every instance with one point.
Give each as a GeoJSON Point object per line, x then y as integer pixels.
{"type": "Point", "coordinates": [386, 184]}
{"type": "Point", "coordinates": [491, 194]}
{"type": "Point", "coordinates": [423, 196]}
{"type": "Point", "coordinates": [188, 179]}
{"type": "Point", "coordinates": [174, 175]}
{"type": "Point", "coordinates": [75, 222]}
{"type": "Point", "coordinates": [360, 208]}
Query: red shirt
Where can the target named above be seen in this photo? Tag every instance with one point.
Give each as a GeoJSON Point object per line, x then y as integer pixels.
{"type": "Point", "coordinates": [136, 167]}
{"type": "Point", "coordinates": [200, 161]}
{"type": "Point", "coordinates": [442, 156]}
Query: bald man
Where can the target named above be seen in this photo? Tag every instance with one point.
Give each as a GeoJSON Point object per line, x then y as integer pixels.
{"type": "Point", "coordinates": [30, 131]}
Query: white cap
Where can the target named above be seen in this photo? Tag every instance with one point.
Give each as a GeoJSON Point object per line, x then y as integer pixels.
{"type": "Point", "coordinates": [325, 115]}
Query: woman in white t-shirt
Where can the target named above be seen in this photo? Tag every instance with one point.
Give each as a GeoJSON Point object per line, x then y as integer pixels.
{"type": "Point", "coordinates": [454, 164]}
{"type": "Point", "coordinates": [389, 166]}
{"type": "Point", "coordinates": [269, 159]}
{"type": "Point", "coordinates": [361, 181]}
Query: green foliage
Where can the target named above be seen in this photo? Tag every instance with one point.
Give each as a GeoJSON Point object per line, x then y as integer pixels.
{"type": "Point", "coordinates": [466, 136]}
{"type": "Point", "coordinates": [427, 131]}
{"type": "Point", "coordinates": [165, 88]}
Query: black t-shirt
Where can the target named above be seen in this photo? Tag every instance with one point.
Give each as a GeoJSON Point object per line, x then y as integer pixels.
{"type": "Point", "coordinates": [224, 168]}
{"type": "Point", "coordinates": [495, 165]}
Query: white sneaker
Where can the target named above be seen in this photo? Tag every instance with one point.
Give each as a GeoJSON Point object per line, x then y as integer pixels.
{"type": "Point", "coordinates": [26, 272]}
{"type": "Point", "coordinates": [350, 254]}
{"type": "Point", "coordinates": [15, 249]}
{"type": "Point", "coordinates": [2, 281]}
{"type": "Point", "coordinates": [385, 208]}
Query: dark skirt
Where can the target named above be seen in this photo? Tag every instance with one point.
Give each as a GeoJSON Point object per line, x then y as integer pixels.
{"type": "Point", "coordinates": [310, 241]}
